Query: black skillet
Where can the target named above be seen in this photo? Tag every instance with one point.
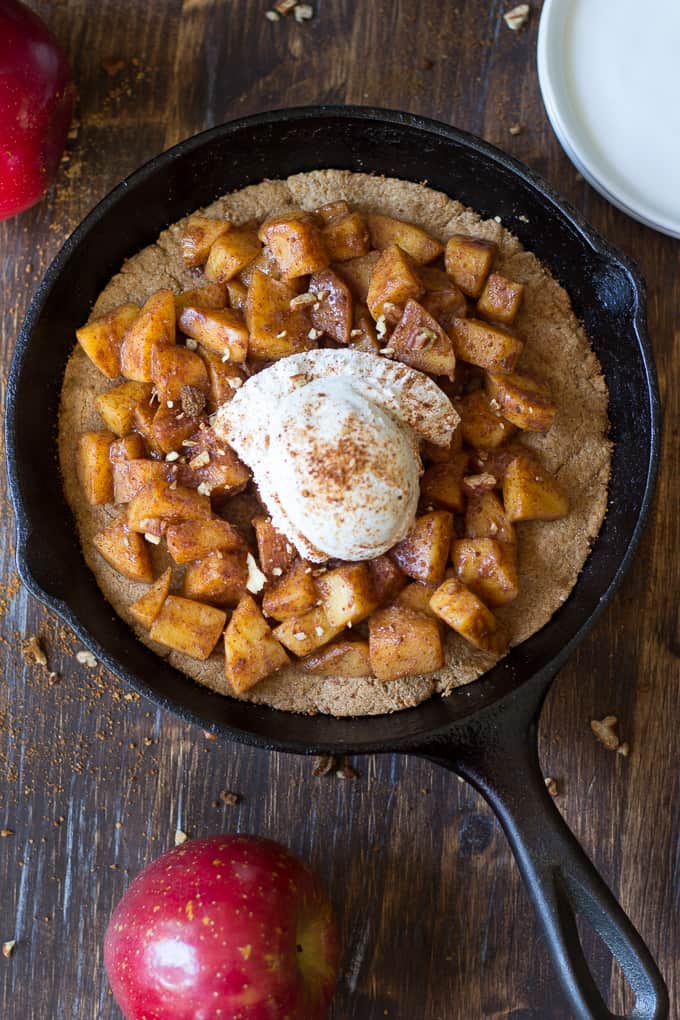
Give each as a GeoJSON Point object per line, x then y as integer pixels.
{"type": "Point", "coordinates": [486, 732]}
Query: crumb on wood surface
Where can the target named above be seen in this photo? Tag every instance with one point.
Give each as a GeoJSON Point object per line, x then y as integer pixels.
{"type": "Point", "coordinates": [605, 731]}
{"type": "Point", "coordinates": [517, 18]}
{"type": "Point", "coordinates": [33, 650]}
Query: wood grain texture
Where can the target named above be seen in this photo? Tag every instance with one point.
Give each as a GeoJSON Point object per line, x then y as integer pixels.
{"type": "Point", "coordinates": [435, 924]}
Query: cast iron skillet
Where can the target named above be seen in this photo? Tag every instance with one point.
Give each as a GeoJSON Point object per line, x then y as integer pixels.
{"type": "Point", "coordinates": [486, 732]}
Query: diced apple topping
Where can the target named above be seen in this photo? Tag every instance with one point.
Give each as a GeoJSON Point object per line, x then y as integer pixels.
{"type": "Point", "coordinates": [468, 262]}
{"type": "Point", "coordinates": [424, 553]}
{"type": "Point", "coordinates": [101, 339]}
{"type": "Point", "coordinates": [419, 341]}
{"type": "Point", "coordinates": [267, 290]}
{"type": "Point", "coordinates": [152, 329]}
{"type": "Point", "coordinates": [458, 607]}
{"type": "Point", "coordinates": [95, 470]}
{"type": "Point", "coordinates": [340, 658]}
{"type": "Point", "coordinates": [188, 627]}
{"type": "Point", "coordinates": [147, 607]}
{"type": "Point", "coordinates": [532, 494]}
{"type": "Point", "coordinates": [523, 400]}
{"type": "Point", "coordinates": [403, 642]}
{"type": "Point", "coordinates": [386, 231]}
{"type": "Point", "coordinates": [251, 652]}
{"type": "Point", "coordinates": [125, 550]}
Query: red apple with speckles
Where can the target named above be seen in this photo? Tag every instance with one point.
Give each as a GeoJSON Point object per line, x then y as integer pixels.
{"type": "Point", "coordinates": [226, 928]}
{"type": "Point", "coordinates": [36, 106]}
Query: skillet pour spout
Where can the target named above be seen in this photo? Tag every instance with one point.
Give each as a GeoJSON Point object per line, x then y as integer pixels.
{"type": "Point", "coordinates": [487, 730]}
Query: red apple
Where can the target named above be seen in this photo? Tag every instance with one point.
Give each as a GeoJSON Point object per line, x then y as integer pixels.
{"type": "Point", "coordinates": [226, 928]}
{"type": "Point", "coordinates": [36, 105]}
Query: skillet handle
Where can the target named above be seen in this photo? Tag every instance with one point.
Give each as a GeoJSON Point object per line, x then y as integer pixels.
{"type": "Point", "coordinates": [501, 761]}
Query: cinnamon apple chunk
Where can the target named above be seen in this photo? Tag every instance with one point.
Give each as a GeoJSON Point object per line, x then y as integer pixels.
{"type": "Point", "coordinates": [394, 280]}
{"type": "Point", "coordinates": [417, 595]}
{"type": "Point", "coordinates": [443, 483]}
{"type": "Point", "coordinates": [275, 553]}
{"type": "Point", "coordinates": [292, 594]}
{"type": "Point", "coordinates": [481, 421]}
{"type": "Point", "coordinates": [363, 335]}
{"type": "Point", "coordinates": [461, 610]}
{"type": "Point", "coordinates": [496, 462]}
{"type": "Point", "coordinates": [530, 493]}
{"type": "Point", "coordinates": [468, 262]}
{"type": "Point", "coordinates": [125, 550]}
{"type": "Point", "coordinates": [346, 238]}
{"type": "Point", "coordinates": [94, 467]}
{"type": "Point", "coordinates": [347, 594]}
{"type": "Point", "coordinates": [130, 447]}
{"type": "Point", "coordinates": [170, 427]}
{"type": "Point", "coordinates": [424, 553]}
{"type": "Point", "coordinates": [267, 264]}
{"type": "Point", "coordinates": [420, 342]}
{"type": "Point", "coordinates": [333, 212]}
{"type": "Point", "coordinates": [387, 230]}
{"type": "Point", "coordinates": [143, 423]}
{"type": "Point", "coordinates": [485, 345]}
{"type": "Point", "coordinates": [219, 578]}
{"type": "Point", "coordinates": [332, 312]}
{"type": "Point", "coordinates": [213, 467]}
{"type": "Point", "coordinates": [251, 652]}
{"type": "Point", "coordinates": [306, 632]}
{"type": "Point", "coordinates": [153, 328]}
{"type": "Point", "coordinates": [173, 368]}
{"type": "Point", "coordinates": [130, 476]}
{"type": "Point", "coordinates": [297, 244]}
{"type": "Point", "coordinates": [212, 295]}
{"type": "Point", "coordinates": [238, 292]}
{"type": "Point", "coordinates": [194, 540]}
{"type": "Point", "coordinates": [357, 273]}
{"type": "Point", "coordinates": [147, 607]}
{"type": "Point", "coordinates": [340, 658]}
{"type": "Point", "coordinates": [523, 400]}
{"type": "Point", "coordinates": [387, 578]}
{"type": "Point", "coordinates": [442, 299]}
{"type": "Point", "coordinates": [435, 454]}
{"type": "Point", "coordinates": [488, 568]}
{"type": "Point", "coordinates": [187, 626]}
{"type": "Point", "coordinates": [159, 500]}
{"type": "Point", "coordinates": [485, 517]}
{"type": "Point", "coordinates": [117, 405]}
{"type": "Point", "coordinates": [231, 253]}
{"type": "Point", "coordinates": [403, 643]}
{"type": "Point", "coordinates": [222, 330]}
{"type": "Point", "coordinates": [101, 339]}
{"type": "Point", "coordinates": [276, 329]}
{"type": "Point", "coordinates": [501, 299]}
{"type": "Point", "coordinates": [224, 379]}
{"type": "Point", "coordinates": [198, 237]}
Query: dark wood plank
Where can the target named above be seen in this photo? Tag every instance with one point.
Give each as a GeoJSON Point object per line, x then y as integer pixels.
{"type": "Point", "coordinates": [434, 921]}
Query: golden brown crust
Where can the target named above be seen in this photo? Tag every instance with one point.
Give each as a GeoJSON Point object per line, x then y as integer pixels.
{"type": "Point", "coordinates": [576, 448]}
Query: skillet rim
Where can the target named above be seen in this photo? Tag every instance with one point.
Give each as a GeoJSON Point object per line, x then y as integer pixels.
{"type": "Point", "coordinates": [446, 729]}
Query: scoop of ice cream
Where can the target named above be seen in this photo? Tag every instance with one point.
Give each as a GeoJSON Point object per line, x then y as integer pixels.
{"type": "Point", "coordinates": [331, 437]}
{"type": "Point", "coordinates": [347, 471]}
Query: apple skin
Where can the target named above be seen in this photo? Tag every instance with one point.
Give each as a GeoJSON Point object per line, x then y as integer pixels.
{"type": "Point", "coordinates": [230, 927]}
{"type": "Point", "coordinates": [36, 106]}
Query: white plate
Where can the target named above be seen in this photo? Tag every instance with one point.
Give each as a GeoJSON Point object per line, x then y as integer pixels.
{"type": "Point", "coordinates": [609, 72]}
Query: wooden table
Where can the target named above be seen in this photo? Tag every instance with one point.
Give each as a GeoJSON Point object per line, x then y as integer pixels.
{"type": "Point", "coordinates": [435, 923]}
